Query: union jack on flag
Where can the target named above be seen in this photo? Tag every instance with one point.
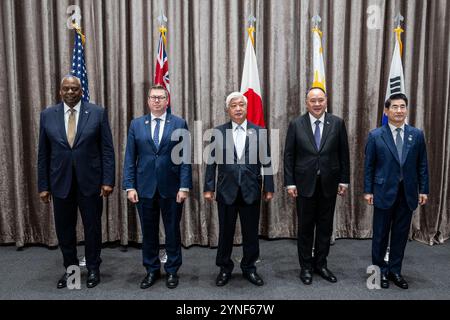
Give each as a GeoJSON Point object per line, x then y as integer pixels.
{"type": "Point", "coordinates": [78, 63]}
{"type": "Point", "coordinates": [162, 65]}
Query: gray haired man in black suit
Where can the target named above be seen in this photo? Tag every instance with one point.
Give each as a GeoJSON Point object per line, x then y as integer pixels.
{"type": "Point", "coordinates": [238, 145]}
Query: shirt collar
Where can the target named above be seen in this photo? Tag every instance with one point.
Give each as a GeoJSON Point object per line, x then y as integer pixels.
{"type": "Point", "coordinates": [162, 117]}
{"type": "Point", "coordinates": [243, 125]}
{"type": "Point", "coordinates": [314, 119]}
{"type": "Point", "coordinates": [77, 107]}
{"type": "Point", "coordinates": [393, 128]}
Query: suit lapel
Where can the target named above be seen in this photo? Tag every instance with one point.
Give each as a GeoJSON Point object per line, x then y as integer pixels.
{"type": "Point", "coordinates": [167, 130]}
{"type": "Point", "coordinates": [59, 114]}
{"type": "Point", "coordinates": [229, 141]}
{"type": "Point", "coordinates": [251, 129]}
{"type": "Point", "coordinates": [307, 125]}
{"type": "Point", "coordinates": [389, 140]}
{"type": "Point", "coordinates": [82, 120]}
{"type": "Point", "coordinates": [408, 140]}
{"type": "Point", "coordinates": [326, 130]}
{"type": "Point", "coordinates": [148, 131]}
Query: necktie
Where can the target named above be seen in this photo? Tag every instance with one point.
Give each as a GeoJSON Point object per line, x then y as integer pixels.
{"type": "Point", "coordinates": [71, 126]}
{"type": "Point", "coordinates": [240, 141]}
{"type": "Point", "coordinates": [399, 143]}
{"type": "Point", "coordinates": [156, 133]}
{"type": "Point", "coordinates": [317, 134]}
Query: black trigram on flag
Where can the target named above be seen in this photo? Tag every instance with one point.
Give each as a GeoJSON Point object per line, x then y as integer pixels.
{"type": "Point", "coordinates": [395, 85]}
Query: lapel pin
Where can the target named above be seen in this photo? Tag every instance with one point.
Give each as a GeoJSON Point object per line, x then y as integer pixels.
{"type": "Point", "coordinates": [328, 122]}
{"type": "Point", "coordinates": [86, 112]}
{"type": "Point", "coordinates": [146, 121]}
{"type": "Point", "coordinates": [410, 137]}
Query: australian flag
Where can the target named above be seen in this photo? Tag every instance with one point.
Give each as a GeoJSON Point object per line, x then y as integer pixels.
{"type": "Point", "coordinates": [79, 65]}
{"type": "Point", "coordinates": [162, 67]}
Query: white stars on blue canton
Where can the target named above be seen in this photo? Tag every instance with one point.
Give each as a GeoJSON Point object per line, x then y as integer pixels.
{"type": "Point", "coordinates": [79, 66]}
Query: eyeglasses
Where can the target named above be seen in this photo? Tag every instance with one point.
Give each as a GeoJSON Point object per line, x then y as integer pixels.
{"type": "Point", "coordinates": [397, 108]}
{"type": "Point", "coordinates": [160, 98]}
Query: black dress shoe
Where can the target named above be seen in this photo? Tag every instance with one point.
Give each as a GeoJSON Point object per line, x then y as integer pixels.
{"type": "Point", "coordinates": [306, 276]}
{"type": "Point", "coordinates": [398, 280]}
{"type": "Point", "coordinates": [62, 283]}
{"type": "Point", "coordinates": [254, 278]}
{"type": "Point", "coordinates": [93, 278]}
{"type": "Point", "coordinates": [326, 274]}
{"type": "Point", "coordinates": [150, 279]}
{"type": "Point", "coordinates": [171, 280]}
{"type": "Point", "coordinates": [222, 278]}
{"type": "Point", "coordinates": [384, 281]}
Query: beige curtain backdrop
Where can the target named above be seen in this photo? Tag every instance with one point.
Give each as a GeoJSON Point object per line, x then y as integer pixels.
{"type": "Point", "coordinates": [206, 44]}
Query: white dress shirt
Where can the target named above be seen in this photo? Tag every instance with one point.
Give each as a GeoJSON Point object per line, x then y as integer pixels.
{"type": "Point", "coordinates": [67, 114]}
{"type": "Point", "coordinates": [239, 137]}
{"type": "Point", "coordinates": [394, 131]}
{"type": "Point", "coordinates": [313, 124]}
{"type": "Point", "coordinates": [161, 124]}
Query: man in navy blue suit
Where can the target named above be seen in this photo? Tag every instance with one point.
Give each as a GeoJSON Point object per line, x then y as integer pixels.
{"type": "Point", "coordinates": [158, 178]}
{"type": "Point", "coordinates": [395, 182]}
{"type": "Point", "coordinates": [76, 167]}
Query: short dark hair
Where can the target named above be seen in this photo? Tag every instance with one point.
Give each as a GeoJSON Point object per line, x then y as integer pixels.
{"type": "Point", "coordinates": [396, 96]}
{"type": "Point", "coordinates": [312, 88]}
{"type": "Point", "coordinates": [158, 87]}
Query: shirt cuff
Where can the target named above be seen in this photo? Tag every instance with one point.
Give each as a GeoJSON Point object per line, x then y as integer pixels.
{"type": "Point", "coordinates": [345, 185]}
{"type": "Point", "coordinates": [130, 189]}
{"type": "Point", "coordinates": [291, 187]}
{"type": "Point", "coordinates": [184, 189]}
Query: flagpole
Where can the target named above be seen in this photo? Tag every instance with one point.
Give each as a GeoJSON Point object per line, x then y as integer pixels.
{"type": "Point", "coordinates": [319, 80]}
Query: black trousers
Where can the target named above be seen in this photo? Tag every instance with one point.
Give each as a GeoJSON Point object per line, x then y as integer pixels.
{"type": "Point", "coordinates": [316, 212]}
{"type": "Point", "coordinates": [149, 212]}
{"type": "Point", "coordinates": [396, 221]}
{"type": "Point", "coordinates": [249, 217]}
{"type": "Point", "coordinates": [66, 213]}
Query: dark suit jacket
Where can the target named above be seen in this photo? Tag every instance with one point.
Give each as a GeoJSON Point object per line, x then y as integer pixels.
{"type": "Point", "coordinates": [92, 154]}
{"type": "Point", "coordinates": [233, 174]}
{"type": "Point", "coordinates": [302, 160]}
{"type": "Point", "coordinates": [147, 168]}
{"type": "Point", "coordinates": [383, 168]}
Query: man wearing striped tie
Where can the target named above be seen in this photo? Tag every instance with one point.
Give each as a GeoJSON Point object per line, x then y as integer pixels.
{"type": "Point", "coordinates": [395, 182]}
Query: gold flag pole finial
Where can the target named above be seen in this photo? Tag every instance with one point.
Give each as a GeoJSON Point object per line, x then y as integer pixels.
{"type": "Point", "coordinates": [162, 29]}
{"type": "Point", "coordinates": [398, 30]}
{"type": "Point", "coordinates": [78, 30]}
{"type": "Point", "coordinates": [316, 20]}
{"type": "Point", "coordinates": [251, 29]}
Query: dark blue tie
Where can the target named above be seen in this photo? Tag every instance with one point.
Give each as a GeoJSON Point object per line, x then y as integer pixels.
{"type": "Point", "coordinates": [317, 134]}
{"type": "Point", "coordinates": [156, 133]}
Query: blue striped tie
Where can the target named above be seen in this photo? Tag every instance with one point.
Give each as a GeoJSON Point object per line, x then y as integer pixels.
{"type": "Point", "coordinates": [156, 133]}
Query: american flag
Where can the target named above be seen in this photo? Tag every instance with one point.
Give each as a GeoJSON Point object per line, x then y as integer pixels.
{"type": "Point", "coordinates": [78, 63]}
{"type": "Point", "coordinates": [162, 65]}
